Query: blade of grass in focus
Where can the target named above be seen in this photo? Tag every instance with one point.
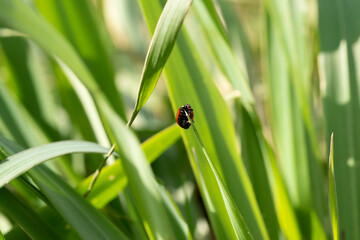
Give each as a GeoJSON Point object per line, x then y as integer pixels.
{"type": "Point", "coordinates": [333, 206]}
{"type": "Point", "coordinates": [239, 226]}
{"type": "Point", "coordinates": [160, 48]}
{"type": "Point", "coordinates": [189, 82]}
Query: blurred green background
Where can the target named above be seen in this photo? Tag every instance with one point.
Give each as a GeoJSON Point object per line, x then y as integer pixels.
{"type": "Point", "coordinates": [269, 82]}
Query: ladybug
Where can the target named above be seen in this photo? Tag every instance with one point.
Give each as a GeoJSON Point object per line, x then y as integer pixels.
{"type": "Point", "coordinates": [181, 118]}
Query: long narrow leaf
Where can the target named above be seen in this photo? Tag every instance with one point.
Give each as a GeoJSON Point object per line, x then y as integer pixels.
{"type": "Point", "coordinates": [27, 68]}
{"type": "Point", "coordinates": [19, 16]}
{"type": "Point", "coordinates": [141, 179]}
{"type": "Point", "coordinates": [181, 229]}
{"type": "Point", "coordinates": [80, 214]}
{"type": "Point", "coordinates": [12, 116]}
{"type": "Point", "coordinates": [253, 142]}
{"type": "Point", "coordinates": [189, 82]}
{"type": "Point", "coordinates": [21, 162]}
{"type": "Point", "coordinates": [239, 226]}
{"type": "Point", "coordinates": [160, 48]}
{"type": "Point", "coordinates": [223, 53]}
{"type": "Point", "coordinates": [332, 193]}
{"type": "Point", "coordinates": [339, 68]}
{"type": "Point", "coordinates": [87, 33]}
{"type": "Point", "coordinates": [25, 216]}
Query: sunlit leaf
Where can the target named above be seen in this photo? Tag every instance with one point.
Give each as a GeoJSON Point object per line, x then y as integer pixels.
{"type": "Point", "coordinates": [189, 82]}
{"type": "Point", "coordinates": [17, 164]}
{"type": "Point", "coordinates": [160, 48]}
{"type": "Point", "coordinates": [333, 205]}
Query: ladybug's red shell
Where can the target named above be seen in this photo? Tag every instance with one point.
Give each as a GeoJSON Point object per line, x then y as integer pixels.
{"type": "Point", "coordinates": [181, 118]}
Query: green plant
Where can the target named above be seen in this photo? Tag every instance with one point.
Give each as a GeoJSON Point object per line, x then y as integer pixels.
{"type": "Point", "coordinates": [252, 168]}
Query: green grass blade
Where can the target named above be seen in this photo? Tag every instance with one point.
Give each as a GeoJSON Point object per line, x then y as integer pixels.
{"type": "Point", "coordinates": [238, 37]}
{"type": "Point", "coordinates": [239, 226]}
{"type": "Point", "coordinates": [22, 18]}
{"type": "Point", "coordinates": [289, 117]}
{"type": "Point", "coordinates": [12, 117]}
{"type": "Point", "coordinates": [87, 33]}
{"type": "Point", "coordinates": [189, 82]}
{"type": "Point", "coordinates": [292, 116]}
{"type": "Point", "coordinates": [285, 108]}
{"type": "Point", "coordinates": [223, 53]}
{"type": "Point", "coordinates": [19, 163]}
{"type": "Point", "coordinates": [141, 179]}
{"type": "Point", "coordinates": [87, 221]}
{"type": "Point", "coordinates": [181, 229]}
{"type": "Point", "coordinates": [333, 203]}
{"type": "Point", "coordinates": [23, 214]}
{"type": "Point", "coordinates": [284, 208]}
{"type": "Point", "coordinates": [18, 16]}
{"type": "Point", "coordinates": [16, 233]}
{"type": "Point", "coordinates": [256, 153]}
{"type": "Point", "coordinates": [27, 68]}
{"type": "Point", "coordinates": [339, 67]}
{"type": "Point", "coordinates": [71, 103]}
{"type": "Point", "coordinates": [251, 132]}
{"type": "Point", "coordinates": [112, 179]}
{"type": "Point", "coordinates": [158, 143]}
{"type": "Point", "coordinates": [256, 142]}
{"type": "Point", "coordinates": [160, 48]}
{"type": "Point", "coordinates": [88, 104]}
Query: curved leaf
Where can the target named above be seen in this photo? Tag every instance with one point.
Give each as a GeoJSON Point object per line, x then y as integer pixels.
{"type": "Point", "coordinates": [160, 48]}
{"type": "Point", "coordinates": [17, 164]}
{"type": "Point", "coordinates": [80, 214]}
